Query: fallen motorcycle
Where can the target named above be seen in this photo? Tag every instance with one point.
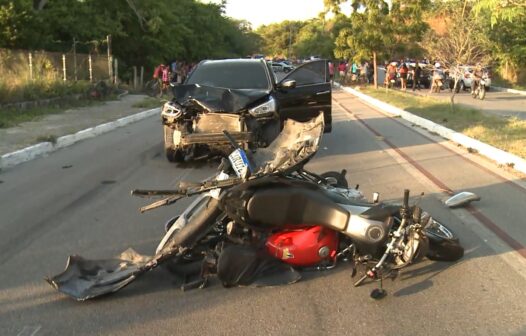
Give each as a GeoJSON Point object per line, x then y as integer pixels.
{"type": "Point", "coordinates": [270, 221]}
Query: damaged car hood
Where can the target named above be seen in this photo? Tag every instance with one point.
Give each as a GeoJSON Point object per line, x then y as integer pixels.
{"type": "Point", "coordinates": [217, 99]}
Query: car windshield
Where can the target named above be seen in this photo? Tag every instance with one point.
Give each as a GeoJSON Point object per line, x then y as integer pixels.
{"type": "Point", "coordinates": [232, 75]}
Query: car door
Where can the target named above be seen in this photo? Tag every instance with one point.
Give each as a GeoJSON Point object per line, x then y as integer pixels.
{"type": "Point", "coordinates": [310, 96]}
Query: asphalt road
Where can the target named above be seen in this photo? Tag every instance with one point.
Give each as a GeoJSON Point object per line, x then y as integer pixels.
{"type": "Point", "coordinates": [497, 103]}
{"type": "Point", "coordinates": [77, 200]}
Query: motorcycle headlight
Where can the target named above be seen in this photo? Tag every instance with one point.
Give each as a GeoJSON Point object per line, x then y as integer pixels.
{"type": "Point", "coordinates": [264, 110]}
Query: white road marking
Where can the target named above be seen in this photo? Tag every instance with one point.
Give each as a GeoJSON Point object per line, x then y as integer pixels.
{"type": "Point", "coordinates": [29, 330]}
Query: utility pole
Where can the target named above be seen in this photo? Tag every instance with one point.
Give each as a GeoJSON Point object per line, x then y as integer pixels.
{"type": "Point", "coordinates": [290, 41]}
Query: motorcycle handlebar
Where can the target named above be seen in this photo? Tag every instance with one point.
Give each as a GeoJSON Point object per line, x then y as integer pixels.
{"type": "Point", "coordinates": [406, 198]}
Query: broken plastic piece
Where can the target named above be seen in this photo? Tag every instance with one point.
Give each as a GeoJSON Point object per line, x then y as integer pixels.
{"type": "Point", "coordinates": [461, 199]}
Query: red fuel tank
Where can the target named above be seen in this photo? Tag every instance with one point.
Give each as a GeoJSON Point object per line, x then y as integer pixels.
{"type": "Point", "coordinates": [307, 246]}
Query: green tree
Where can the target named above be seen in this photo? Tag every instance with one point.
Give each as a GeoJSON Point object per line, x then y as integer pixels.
{"type": "Point", "coordinates": [144, 32]}
{"type": "Point", "coordinates": [378, 28]}
{"type": "Point", "coordinates": [278, 38]}
{"type": "Point", "coordinates": [315, 38]}
{"type": "Point", "coordinates": [502, 10]}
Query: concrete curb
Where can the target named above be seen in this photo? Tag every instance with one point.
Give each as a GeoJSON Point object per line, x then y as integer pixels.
{"type": "Point", "coordinates": [499, 156]}
{"type": "Point", "coordinates": [32, 152]}
{"type": "Point", "coordinates": [519, 92]}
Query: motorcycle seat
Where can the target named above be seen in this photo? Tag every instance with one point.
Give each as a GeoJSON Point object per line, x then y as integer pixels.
{"type": "Point", "coordinates": [277, 207]}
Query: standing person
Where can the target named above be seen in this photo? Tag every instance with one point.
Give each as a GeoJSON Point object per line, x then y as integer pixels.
{"type": "Point", "coordinates": [438, 77]}
{"type": "Point", "coordinates": [165, 79]}
{"type": "Point", "coordinates": [366, 71]}
{"type": "Point", "coordinates": [331, 72]}
{"type": "Point", "coordinates": [173, 70]}
{"type": "Point", "coordinates": [417, 72]}
{"type": "Point", "coordinates": [391, 73]}
{"type": "Point", "coordinates": [477, 76]}
{"type": "Point", "coordinates": [158, 75]}
{"type": "Point", "coordinates": [354, 71]}
{"type": "Point", "coordinates": [403, 70]}
{"type": "Point", "coordinates": [341, 69]}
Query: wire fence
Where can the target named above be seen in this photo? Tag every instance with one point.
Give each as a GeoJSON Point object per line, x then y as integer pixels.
{"type": "Point", "coordinates": [24, 65]}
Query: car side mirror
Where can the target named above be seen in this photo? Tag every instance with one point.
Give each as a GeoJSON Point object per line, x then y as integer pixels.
{"type": "Point", "coordinates": [290, 84]}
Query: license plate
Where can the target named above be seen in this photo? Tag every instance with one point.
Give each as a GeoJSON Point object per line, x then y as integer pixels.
{"type": "Point", "coordinates": [239, 162]}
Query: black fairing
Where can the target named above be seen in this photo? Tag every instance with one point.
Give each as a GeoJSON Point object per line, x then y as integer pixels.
{"type": "Point", "coordinates": [274, 202]}
{"type": "Point", "coordinates": [380, 212]}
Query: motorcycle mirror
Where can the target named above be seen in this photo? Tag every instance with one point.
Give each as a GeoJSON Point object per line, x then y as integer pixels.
{"type": "Point", "coordinates": [376, 197]}
{"type": "Point", "coordinates": [461, 199]}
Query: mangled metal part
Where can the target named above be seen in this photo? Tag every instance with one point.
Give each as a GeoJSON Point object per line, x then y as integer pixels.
{"type": "Point", "coordinates": [85, 279]}
{"type": "Point", "coordinates": [461, 199]}
{"type": "Point", "coordinates": [216, 99]}
{"type": "Point", "coordinates": [297, 142]}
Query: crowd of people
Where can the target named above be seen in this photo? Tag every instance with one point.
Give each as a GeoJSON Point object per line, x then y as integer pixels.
{"type": "Point", "coordinates": [348, 72]}
{"type": "Point", "coordinates": [416, 73]}
{"type": "Point", "coordinates": [173, 72]}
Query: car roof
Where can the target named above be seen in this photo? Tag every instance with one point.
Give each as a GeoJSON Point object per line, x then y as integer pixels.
{"type": "Point", "coordinates": [235, 60]}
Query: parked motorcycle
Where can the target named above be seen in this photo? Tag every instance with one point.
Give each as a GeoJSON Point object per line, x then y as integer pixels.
{"type": "Point", "coordinates": [263, 218]}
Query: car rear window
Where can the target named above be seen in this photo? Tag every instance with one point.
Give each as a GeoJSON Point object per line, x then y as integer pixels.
{"type": "Point", "coordinates": [232, 75]}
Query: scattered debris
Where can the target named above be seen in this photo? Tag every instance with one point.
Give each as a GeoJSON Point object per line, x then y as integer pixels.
{"type": "Point", "coordinates": [108, 182]}
{"type": "Point", "coordinates": [472, 150]}
{"type": "Point", "coordinates": [67, 166]}
{"type": "Point", "coordinates": [48, 138]}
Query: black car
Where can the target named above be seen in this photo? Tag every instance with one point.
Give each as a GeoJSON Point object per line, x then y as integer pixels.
{"type": "Point", "coordinates": [243, 97]}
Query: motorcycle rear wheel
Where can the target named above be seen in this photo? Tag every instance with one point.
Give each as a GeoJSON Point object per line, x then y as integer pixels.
{"type": "Point", "coordinates": [444, 245]}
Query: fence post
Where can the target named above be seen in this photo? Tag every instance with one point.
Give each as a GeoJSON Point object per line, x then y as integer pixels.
{"type": "Point", "coordinates": [110, 61]}
{"type": "Point", "coordinates": [75, 58]}
{"type": "Point", "coordinates": [116, 72]}
{"type": "Point", "coordinates": [30, 66]}
{"type": "Point", "coordinates": [64, 66]}
{"type": "Point", "coordinates": [134, 77]}
{"type": "Point", "coordinates": [90, 69]}
{"type": "Point", "coordinates": [142, 77]}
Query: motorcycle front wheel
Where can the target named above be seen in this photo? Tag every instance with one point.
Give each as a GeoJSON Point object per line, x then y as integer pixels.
{"type": "Point", "coordinates": [482, 92]}
{"type": "Point", "coordinates": [444, 245]}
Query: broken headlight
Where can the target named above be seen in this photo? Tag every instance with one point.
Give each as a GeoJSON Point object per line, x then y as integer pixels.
{"type": "Point", "coordinates": [172, 110]}
{"type": "Point", "coordinates": [266, 109]}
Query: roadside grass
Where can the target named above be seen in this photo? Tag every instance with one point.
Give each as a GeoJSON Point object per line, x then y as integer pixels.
{"type": "Point", "coordinates": [150, 102]}
{"type": "Point", "coordinates": [508, 134]}
{"type": "Point", "coordinates": [17, 91]}
{"type": "Point", "coordinates": [10, 117]}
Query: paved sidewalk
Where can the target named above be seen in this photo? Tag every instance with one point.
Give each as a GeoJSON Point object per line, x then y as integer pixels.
{"type": "Point", "coordinates": [68, 122]}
